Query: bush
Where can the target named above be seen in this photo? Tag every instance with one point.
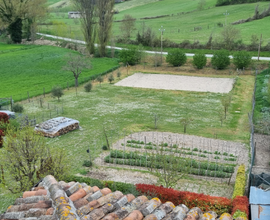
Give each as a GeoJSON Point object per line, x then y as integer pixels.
{"type": "Point", "coordinates": [240, 207]}
{"type": "Point", "coordinates": [176, 57]}
{"type": "Point", "coordinates": [17, 108]}
{"type": "Point", "coordinates": [87, 163]}
{"type": "Point", "coordinates": [240, 182]}
{"type": "Point", "coordinates": [199, 60]}
{"type": "Point", "coordinates": [220, 59]}
{"type": "Point", "coordinates": [204, 202]}
{"type": "Point", "coordinates": [118, 74]}
{"type": "Point", "coordinates": [110, 78]}
{"type": "Point", "coordinates": [129, 56]}
{"type": "Point", "coordinates": [88, 87]}
{"type": "Point", "coordinates": [57, 91]}
{"type": "Point", "coordinates": [104, 147]}
{"type": "Point", "coordinates": [241, 59]}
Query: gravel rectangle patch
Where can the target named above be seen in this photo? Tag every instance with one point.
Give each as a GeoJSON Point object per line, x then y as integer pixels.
{"type": "Point", "coordinates": [177, 82]}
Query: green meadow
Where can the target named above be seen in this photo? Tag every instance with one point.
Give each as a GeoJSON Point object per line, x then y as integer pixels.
{"type": "Point", "coordinates": [179, 25]}
{"type": "Point", "coordinates": [32, 68]}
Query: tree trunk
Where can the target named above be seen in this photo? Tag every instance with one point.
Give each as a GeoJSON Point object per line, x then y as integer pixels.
{"type": "Point", "coordinates": [15, 30]}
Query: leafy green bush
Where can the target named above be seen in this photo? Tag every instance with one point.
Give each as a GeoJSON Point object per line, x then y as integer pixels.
{"type": "Point", "coordinates": [87, 163]}
{"type": "Point", "coordinates": [57, 91]}
{"type": "Point", "coordinates": [17, 108]}
{"type": "Point", "coordinates": [88, 87]}
{"type": "Point", "coordinates": [241, 59]}
{"type": "Point", "coordinates": [240, 182]}
{"type": "Point", "coordinates": [104, 147]}
{"type": "Point", "coordinates": [199, 60]}
{"type": "Point", "coordinates": [110, 78]}
{"type": "Point", "coordinates": [129, 56]}
{"type": "Point", "coordinates": [220, 59]}
{"type": "Point", "coordinates": [89, 181]}
{"type": "Point", "coordinates": [176, 57]}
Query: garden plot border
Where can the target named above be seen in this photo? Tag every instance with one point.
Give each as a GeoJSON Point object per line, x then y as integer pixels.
{"type": "Point", "coordinates": [241, 151]}
{"type": "Point", "coordinates": [178, 82]}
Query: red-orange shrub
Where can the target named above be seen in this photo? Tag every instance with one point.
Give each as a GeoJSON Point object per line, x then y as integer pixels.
{"type": "Point", "coordinates": [204, 202]}
{"type": "Point", "coordinates": [240, 203]}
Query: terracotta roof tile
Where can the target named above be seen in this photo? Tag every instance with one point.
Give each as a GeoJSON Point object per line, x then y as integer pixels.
{"type": "Point", "coordinates": [53, 200]}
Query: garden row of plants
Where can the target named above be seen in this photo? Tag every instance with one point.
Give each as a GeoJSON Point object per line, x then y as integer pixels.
{"type": "Point", "coordinates": [187, 165]}
{"type": "Point", "coordinates": [206, 203]}
{"type": "Point", "coordinates": [174, 148]}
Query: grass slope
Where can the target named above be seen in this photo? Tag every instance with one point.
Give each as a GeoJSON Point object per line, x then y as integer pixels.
{"type": "Point", "coordinates": [32, 68]}
{"type": "Point", "coordinates": [178, 27]}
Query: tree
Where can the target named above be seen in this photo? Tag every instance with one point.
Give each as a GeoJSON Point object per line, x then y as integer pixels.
{"type": "Point", "coordinates": [57, 91]}
{"type": "Point", "coordinates": [100, 79]}
{"type": "Point", "coordinates": [16, 13]}
{"type": "Point", "coordinates": [185, 122]}
{"type": "Point", "coordinates": [168, 167]}
{"type": "Point", "coordinates": [127, 26]}
{"type": "Point", "coordinates": [199, 60]}
{"type": "Point", "coordinates": [27, 158]}
{"type": "Point", "coordinates": [104, 14]}
{"type": "Point", "coordinates": [201, 5]}
{"type": "Point", "coordinates": [129, 55]}
{"type": "Point", "coordinates": [241, 59]}
{"type": "Point", "coordinates": [229, 34]}
{"type": "Point", "coordinates": [88, 22]}
{"type": "Point", "coordinates": [110, 78]}
{"type": "Point", "coordinates": [176, 57]}
{"type": "Point", "coordinates": [220, 59]}
{"type": "Point", "coordinates": [76, 64]}
{"type": "Point", "coordinates": [226, 101]}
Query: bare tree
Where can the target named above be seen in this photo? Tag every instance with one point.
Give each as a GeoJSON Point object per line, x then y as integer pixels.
{"type": "Point", "coordinates": [88, 22]}
{"type": "Point", "coordinates": [127, 26]}
{"type": "Point", "coordinates": [76, 64]}
{"type": "Point", "coordinates": [229, 34]}
{"type": "Point", "coordinates": [104, 14]}
{"type": "Point", "coordinates": [226, 101]}
{"type": "Point", "coordinates": [201, 5]}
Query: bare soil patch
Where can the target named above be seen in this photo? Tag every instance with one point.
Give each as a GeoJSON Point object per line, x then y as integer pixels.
{"type": "Point", "coordinates": [177, 82]}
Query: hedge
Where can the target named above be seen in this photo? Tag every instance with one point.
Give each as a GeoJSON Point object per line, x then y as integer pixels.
{"type": "Point", "coordinates": [240, 207]}
{"type": "Point", "coordinates": [240, 182]}
{"type": "Point", "coordinates": [206, 203]}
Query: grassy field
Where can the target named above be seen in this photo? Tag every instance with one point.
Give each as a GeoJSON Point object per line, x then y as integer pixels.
{"type": "Point", "coordinates": [130, 110]}
{"type": "Point", "coordinates": [32, 68]}
{"type": "Point", "coordinates": [179, 26]}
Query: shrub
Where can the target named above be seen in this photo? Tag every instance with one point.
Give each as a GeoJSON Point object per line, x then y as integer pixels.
{"type": "Point", "coordinates": [204, 202]}
{"type": "Point", "coordinates": [176, 57]}
{"type": "Point", "coordinates": [88, 87]}
{"type": "Point", "coordinates": [104, 147]}
{"type": "Point", "coordinates": [87, 163]}
{"type": "Point", "coordinates": [241, 59]}
{"type": "Point", "coordinates": [240, 207]}
{"type": "Point", "coordinates": [89, 181]}
{"type": "Point", "coordinates": [100, 79]}
{"type": "Point", "coordinates": [57, 91]}
{"type": "Point", "coordinates": [118, 74]}
{"type": "Point", "coordinates": [240, 182]}
{"type": "Point", "coordinates": [220, 59]}
{"type": "Point", "coordinates": [17, 108]}
{"type": "Point", "coordinates": [110, 78]}
{"type": "Point", "coordinates": [1, 138]}
{"type": "Point", "coordinates": [199, 60]}
{"type": "Point", "coordinates": [129, 56]}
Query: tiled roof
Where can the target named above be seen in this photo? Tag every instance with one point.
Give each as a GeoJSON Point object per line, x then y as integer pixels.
{"type": "Point", "coordinates": [53, 200]}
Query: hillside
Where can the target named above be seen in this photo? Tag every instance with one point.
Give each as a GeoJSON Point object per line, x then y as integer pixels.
{"type": "Point", "coordinates": [182, 17]}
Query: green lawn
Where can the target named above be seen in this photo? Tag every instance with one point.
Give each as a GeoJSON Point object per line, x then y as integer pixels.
{"type": "Point", "coordinates": [32, 68]}
{"type": "Point", "coordinates": [129, 110]}
{"type": "Point", "coordinates": [178, 27]}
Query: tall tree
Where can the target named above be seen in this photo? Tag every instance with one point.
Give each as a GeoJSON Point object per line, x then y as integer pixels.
{"type": "Point", "coordinates": [127, 26]}
{"type": "Point", "coordinates": [104, 14]}
{"type": "Point", "coordinates": [88, 22]}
